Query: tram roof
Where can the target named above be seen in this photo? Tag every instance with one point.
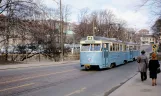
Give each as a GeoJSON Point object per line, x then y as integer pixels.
{"type": "Point", "coordinates": [102, 39]}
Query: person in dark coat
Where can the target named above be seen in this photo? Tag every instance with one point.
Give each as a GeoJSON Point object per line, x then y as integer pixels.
{"type": "Point", "coordinates": [153, 66]}
{"type": "Point", "coordinates": [142, 65]}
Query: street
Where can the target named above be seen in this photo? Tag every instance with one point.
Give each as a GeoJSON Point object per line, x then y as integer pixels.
{"type": "Point", "coordinates": [44, 45]}
{"type": "Point", "coordinates": [66, 80]}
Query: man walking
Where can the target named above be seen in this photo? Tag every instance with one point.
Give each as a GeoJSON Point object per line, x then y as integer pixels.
{"type": "Point", "coordinates": [142, 65]}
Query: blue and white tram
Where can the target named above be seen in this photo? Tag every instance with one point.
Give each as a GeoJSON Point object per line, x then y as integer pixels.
{"type": "Point", "coordinates": [102, 52]}
{"type": "Point", "coordinates": [133, 49]}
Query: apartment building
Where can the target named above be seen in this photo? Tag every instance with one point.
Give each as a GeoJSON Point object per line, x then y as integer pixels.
{"type": "Point", "coordinates": [148, 39]}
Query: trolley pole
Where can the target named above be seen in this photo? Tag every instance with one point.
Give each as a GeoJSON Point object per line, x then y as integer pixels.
{"type": "Point", "coordinates": [61, 33]}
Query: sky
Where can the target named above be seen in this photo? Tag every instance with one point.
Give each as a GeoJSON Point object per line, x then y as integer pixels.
{"type": "Point", "coordinates": [128, 10]}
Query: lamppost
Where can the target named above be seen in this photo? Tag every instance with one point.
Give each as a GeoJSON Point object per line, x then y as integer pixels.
{"type": "Point", "coordinates": [93, 25]}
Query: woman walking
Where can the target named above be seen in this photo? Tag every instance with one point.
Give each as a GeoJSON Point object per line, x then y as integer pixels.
{"type": "Point", "coordinates": [153, 66]}
{"type": "Point", "coordinates": [142, 65]}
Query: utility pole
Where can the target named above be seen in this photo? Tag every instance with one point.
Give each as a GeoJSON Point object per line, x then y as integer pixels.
{"type": "Point", "coordinates": [7, 29]}
{"type": "Point", "coordinates": [61, 33]}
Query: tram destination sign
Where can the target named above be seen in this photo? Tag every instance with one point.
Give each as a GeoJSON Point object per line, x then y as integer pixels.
{"type": "Point", "coordinates": [91, 41]}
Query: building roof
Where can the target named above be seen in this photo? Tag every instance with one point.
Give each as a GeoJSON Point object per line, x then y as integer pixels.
{"type": "Point", "coordinates": [143, 30]}
{"type": "Point", "coordinates": [147, 35]}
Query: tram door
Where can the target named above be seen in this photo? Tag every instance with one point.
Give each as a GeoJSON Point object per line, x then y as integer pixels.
{"type": "Point", "coordinates": [131, 53]}
{"type": "Point", "coordinates": [105, 54]}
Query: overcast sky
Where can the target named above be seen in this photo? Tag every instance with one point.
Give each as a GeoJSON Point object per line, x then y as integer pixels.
{"type": "Point", "coordinates": [127, 10]}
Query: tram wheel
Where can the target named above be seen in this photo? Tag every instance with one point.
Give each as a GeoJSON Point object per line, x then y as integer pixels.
{"type": "Point", "coordinates": [87, 68]}
{"type": "Point", "coordinates": [125, 61]}
{"type": "Point", "coordinates": [112, 65]}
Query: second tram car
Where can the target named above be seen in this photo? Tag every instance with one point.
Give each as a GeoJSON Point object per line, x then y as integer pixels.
{"type": "Point", "coordinates": [106, 52]}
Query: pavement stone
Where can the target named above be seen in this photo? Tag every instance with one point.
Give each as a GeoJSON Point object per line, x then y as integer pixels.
{"type": "Point", "coordinates": [135, 87]}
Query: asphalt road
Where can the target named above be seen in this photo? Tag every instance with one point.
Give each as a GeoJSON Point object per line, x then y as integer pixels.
{"type": "Point", "coordinates": [66, 80]}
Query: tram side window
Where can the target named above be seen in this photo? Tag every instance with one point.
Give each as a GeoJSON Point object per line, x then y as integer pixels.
{"type": "Point", "coordinates": [85, 47]}
{"type": "Point", "coordinates": [135, 48]}
{"type": "Point", "coordinates": [138, 48]}
{"type": "Point", "coordinates": [116, 47]}
{"type": "Point", "coordinates": [120, 47]}
{"type": "Point", "coordinates": [127, 48]}
{"type": "Point", "coordinates": [124, 47]}
{"type": "Point", "coordinates": [131, 48]}
{"type": "Point", "coordinates": [111, 47]}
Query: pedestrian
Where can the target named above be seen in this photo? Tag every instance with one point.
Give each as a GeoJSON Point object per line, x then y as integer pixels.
{"type": "Point", "coordinates": [142, 65]}
{"type": "Point", "coordinates": [153, 66]}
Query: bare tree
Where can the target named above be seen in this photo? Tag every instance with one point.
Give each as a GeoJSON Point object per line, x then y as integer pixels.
{"type": "Point", "coordinates": [102, 23]}
{"type": "Point", "coordinates": [157, 26]}
{"type": "Point", "coordinates": [16, 11]}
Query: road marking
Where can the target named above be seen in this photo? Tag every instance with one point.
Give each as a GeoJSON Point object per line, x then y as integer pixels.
{"type": "Point", "coordinates": [22, 79]}
{"type": "Point", "coordinates": [76, 92]}
{"type": "Point", "coordinates": [17, 87]}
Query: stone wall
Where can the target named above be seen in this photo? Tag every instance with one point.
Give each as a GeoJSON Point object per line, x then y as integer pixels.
{"type": "Point", "coordinates": [39, 57]}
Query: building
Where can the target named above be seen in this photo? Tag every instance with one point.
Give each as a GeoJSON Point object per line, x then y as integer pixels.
{"type": "Point", "coordinates": [148, 39]}
{"type": "Point", "coordinates": [130, 36]}
{"type": "Point", "coordinates": [70, 34]}
{"type": "Point", "coordinates": [45, 28]}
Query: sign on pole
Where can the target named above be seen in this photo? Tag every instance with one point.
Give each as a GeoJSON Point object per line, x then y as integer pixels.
{"type": "Point", "coordinates": [154, 48]}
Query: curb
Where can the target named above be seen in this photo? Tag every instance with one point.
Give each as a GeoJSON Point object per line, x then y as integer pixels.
{"type": "Point", "coordinates": [39, 65]}
{"type": "Point", "coordinates": [119, 85]}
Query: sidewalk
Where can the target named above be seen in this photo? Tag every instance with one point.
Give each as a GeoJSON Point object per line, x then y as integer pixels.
{"type": "Point", "coordinates": [35, 64]}
{"type": "Point", "coordinates": [135, 87]}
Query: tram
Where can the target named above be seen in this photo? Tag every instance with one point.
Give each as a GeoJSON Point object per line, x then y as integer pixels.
{"type": "Point", "coordinates": [105, 52]}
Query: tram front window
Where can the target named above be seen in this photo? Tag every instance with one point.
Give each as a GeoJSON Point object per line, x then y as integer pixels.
{"type": "Point", "coordinates": [95, 47]}
{"type": "Point", "coordinates": [90, 47]}
{"type": "Point", "coordinates": [85, 47]}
